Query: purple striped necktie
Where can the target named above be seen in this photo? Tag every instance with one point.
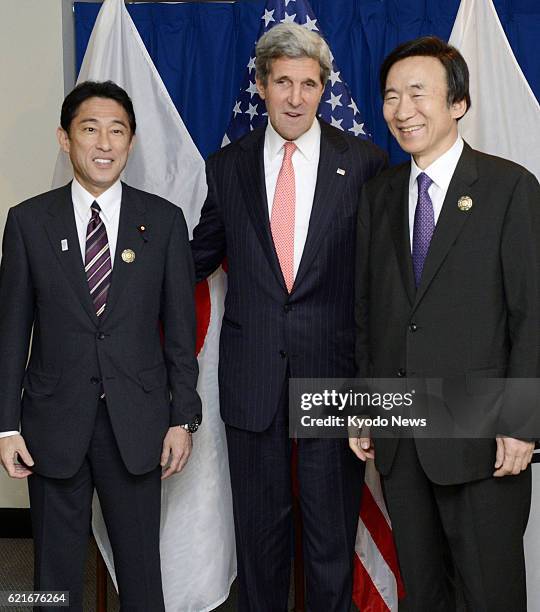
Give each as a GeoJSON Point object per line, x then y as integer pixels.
{"type": "Point", "coordinates": [424, 226]}
{"type": "Point", "coordinates": [97, 261]}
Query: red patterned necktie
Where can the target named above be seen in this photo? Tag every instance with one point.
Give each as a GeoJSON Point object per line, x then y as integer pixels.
{"type": "Point", "coordinates": [282, 217]}
{"type": "Point", "coordinates": [97, 261]}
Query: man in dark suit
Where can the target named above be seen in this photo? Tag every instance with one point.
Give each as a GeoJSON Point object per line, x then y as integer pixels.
{"type": "Point", "coordinates": [281, 207]}
{"type": "Point", "coordinates": [91, 270]}
{"type": "Point", "coordinates": [448, 286]}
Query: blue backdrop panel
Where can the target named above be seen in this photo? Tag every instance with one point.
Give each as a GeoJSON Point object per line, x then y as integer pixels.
{"type": "Point", "coordinates": [202, 49]}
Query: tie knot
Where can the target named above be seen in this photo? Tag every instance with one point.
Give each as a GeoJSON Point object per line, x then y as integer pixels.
{"type": "Point", "coordinates": [424, 183]}
{"type": "Point", "coordinates": [290, 148]}
{"type": "Point", "coordinates": [95, 208]}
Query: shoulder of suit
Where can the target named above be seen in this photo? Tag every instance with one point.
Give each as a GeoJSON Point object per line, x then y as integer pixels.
{"type": "Point", "coordinates": [500, 166]}
{"type": "Point", "coordinates": [344, 141]}
{"type": "Point", "coordinates": [149, 200]}
{"type": "Point", "coordinates": [387, 177]}
{"type": "Point", "coordinates": [249, 141]}
{"type": "Point", "coordinates": [39, 203]}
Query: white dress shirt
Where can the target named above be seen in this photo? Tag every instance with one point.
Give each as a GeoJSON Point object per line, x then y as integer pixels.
{"type": "Point", "coordinates": [305, 162]}
{"type": "Point", "coordinates": [109, 202]}
{"type": "Point", "coordinates": [440, 172]}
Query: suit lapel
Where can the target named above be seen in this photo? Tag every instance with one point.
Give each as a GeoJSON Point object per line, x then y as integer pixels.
{"type": "Point", "coordinates": [328, 192]}
{"type": "Point", "coordinates": [398, 213]}
{"type": "Point", "coordinates": [451, 219]}
{"type": "Point", "coordinates": [250, 172]}
{"type": "Point", "coordinates": [60, 227]}
{"type": "Point", "coordinates": [132, 217]}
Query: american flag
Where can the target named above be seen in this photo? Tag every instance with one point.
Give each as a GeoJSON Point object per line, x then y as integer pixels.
{"type": "Point", "coordinates": [377, 583]}
{"type": "Point", "coordinates": [337, 106]}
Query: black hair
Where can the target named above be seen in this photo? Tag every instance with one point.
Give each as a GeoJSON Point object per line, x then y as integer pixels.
{"type": "Point", "coordinates": [95, 89]}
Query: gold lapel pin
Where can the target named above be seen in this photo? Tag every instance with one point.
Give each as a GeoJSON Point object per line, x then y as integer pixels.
{"type": "Point", "coordinates": [465, 203]}
{"type": "Point", "coordinates": [128, 256]}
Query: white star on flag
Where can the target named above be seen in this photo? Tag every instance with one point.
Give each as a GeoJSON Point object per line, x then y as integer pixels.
{"type": "Point", "coordinates": [288, 18]}
{"type": "Point", "coordinates": [357, 128]}
{"type": "Point", "coordinates": [310, 24]}
{"type": "Point", "coordinates": [334, 77]}
{"type": "Point", "coordinates": [252, 89]}
{"type": "Point", "coordinates": [252, 111]}
{"type": "Point", "coordinates": [251, 65]}
{"type": "Point", "coordinates": [268, 17]}
{"type": "Point", "coordinates": [354, 107]}
{"type": "Point", "coordinates": [336, 122]}
{"type": "Point", "coordinates": [334, 100]}
{"type": "Point", "coordinates": [237, 108]}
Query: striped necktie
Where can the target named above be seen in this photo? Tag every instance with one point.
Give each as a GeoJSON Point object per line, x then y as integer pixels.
{"type": "Point", "coordinates": [97, 261]}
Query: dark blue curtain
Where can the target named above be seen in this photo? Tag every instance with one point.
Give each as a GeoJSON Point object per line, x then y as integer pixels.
{"type": "Point", "coordinates": [201, 49]}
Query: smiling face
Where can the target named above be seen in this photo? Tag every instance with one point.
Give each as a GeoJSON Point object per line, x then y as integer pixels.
{"type": "Point", "coordinates": [416, 108]}
{"type": "Point", "coordinates": [292, 95]}
{"type": "Point", "coordinates": [98, 143]}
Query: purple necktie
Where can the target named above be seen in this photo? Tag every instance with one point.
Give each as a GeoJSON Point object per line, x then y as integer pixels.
{"type": "Point", "coordinates": [97, 261]}
{"type": "Point", "coordinates": [424, 225]}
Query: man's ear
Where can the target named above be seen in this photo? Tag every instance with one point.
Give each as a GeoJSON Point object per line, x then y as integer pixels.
{"type": "Point", "coordinates": [63, 139]}
{"type": "Point", "coordinates": [459, 109]}
{"type": "Point", "coordinates": [260, 88]}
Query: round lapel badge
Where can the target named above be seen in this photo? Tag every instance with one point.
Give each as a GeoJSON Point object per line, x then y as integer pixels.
{"type": "Point", "coordinates": [128, 255]}
{"type": "Point", "coordinates": [465, 203]}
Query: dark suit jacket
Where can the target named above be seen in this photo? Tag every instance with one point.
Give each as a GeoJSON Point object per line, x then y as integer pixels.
{"type": "Point", "coordinates": [75, 355]}
{"type": "Point", "coordinates": [476, 312]}
{"type": "Point", "coordinates": [266, 331]}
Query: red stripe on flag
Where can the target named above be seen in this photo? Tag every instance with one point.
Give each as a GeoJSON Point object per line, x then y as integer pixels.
{"type": "Point", "coordinates": [366, 597]}
{"type": "Point", "coordinates": [202, 307]}
{"type": "Point", "coordinates": [380, 531]}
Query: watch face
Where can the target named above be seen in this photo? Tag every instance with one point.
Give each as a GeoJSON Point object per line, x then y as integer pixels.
{"type": "Point", "coordinates": [194, 425]}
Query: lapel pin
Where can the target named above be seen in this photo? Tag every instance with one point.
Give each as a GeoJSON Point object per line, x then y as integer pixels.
{"type": "Point", "coordinates": [465, 203]}
{"type": "Point", "coordinates": [128, 256]}
{"type": "Point", "coordinates": [64, 244]}
{"type": "Point", "coordinates": [142, 230]}
{"type": "Point", "coordinates": [341, 171]}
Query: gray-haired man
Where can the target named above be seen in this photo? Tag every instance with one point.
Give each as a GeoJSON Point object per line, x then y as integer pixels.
{"type": "Point", "coordinates": [284, 216]}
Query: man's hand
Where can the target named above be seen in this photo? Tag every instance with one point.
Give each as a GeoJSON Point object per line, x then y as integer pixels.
{"type": "Point", "coordinates": [12, 450]}
{"type": "Point", "coordinates": [513, 456]}
{"type": "Point", "coordinates": [176, 450]}
{"type": "Point", "coordinates": [362, 447]}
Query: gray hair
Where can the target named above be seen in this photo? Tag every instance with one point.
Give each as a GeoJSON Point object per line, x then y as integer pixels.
{"type": "Point", "coordinates": [293, 41]}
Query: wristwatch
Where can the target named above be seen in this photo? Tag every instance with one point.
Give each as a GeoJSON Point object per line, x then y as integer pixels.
{"type": "Point", "coordinates": [193, 425]}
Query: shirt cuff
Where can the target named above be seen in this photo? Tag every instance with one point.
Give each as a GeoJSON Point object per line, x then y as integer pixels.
{"type": "Point", "coordinates": [5, 434]}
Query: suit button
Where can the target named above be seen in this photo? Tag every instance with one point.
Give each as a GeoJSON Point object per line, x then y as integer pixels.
{"type": "Point", "coordinates": [283, 354]}
{"type": "Point", "coordinates": [95, 381]}
{"type": "Point", "coordinates": [401, 373]}
{"type": "Point", "coordinates": [287, 308]}
{"type": "Point", "coordinates": [413, 327]}
{"type": "Point", "coordinates": [101, 336]}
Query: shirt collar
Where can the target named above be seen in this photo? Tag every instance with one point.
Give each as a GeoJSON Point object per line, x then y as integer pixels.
{"type": "Point", "coordinates": [109, 201]}
{"type": "Point", "coordinates": [308, 144]}
{"type": "Point", "coordinates": [442, 169]}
